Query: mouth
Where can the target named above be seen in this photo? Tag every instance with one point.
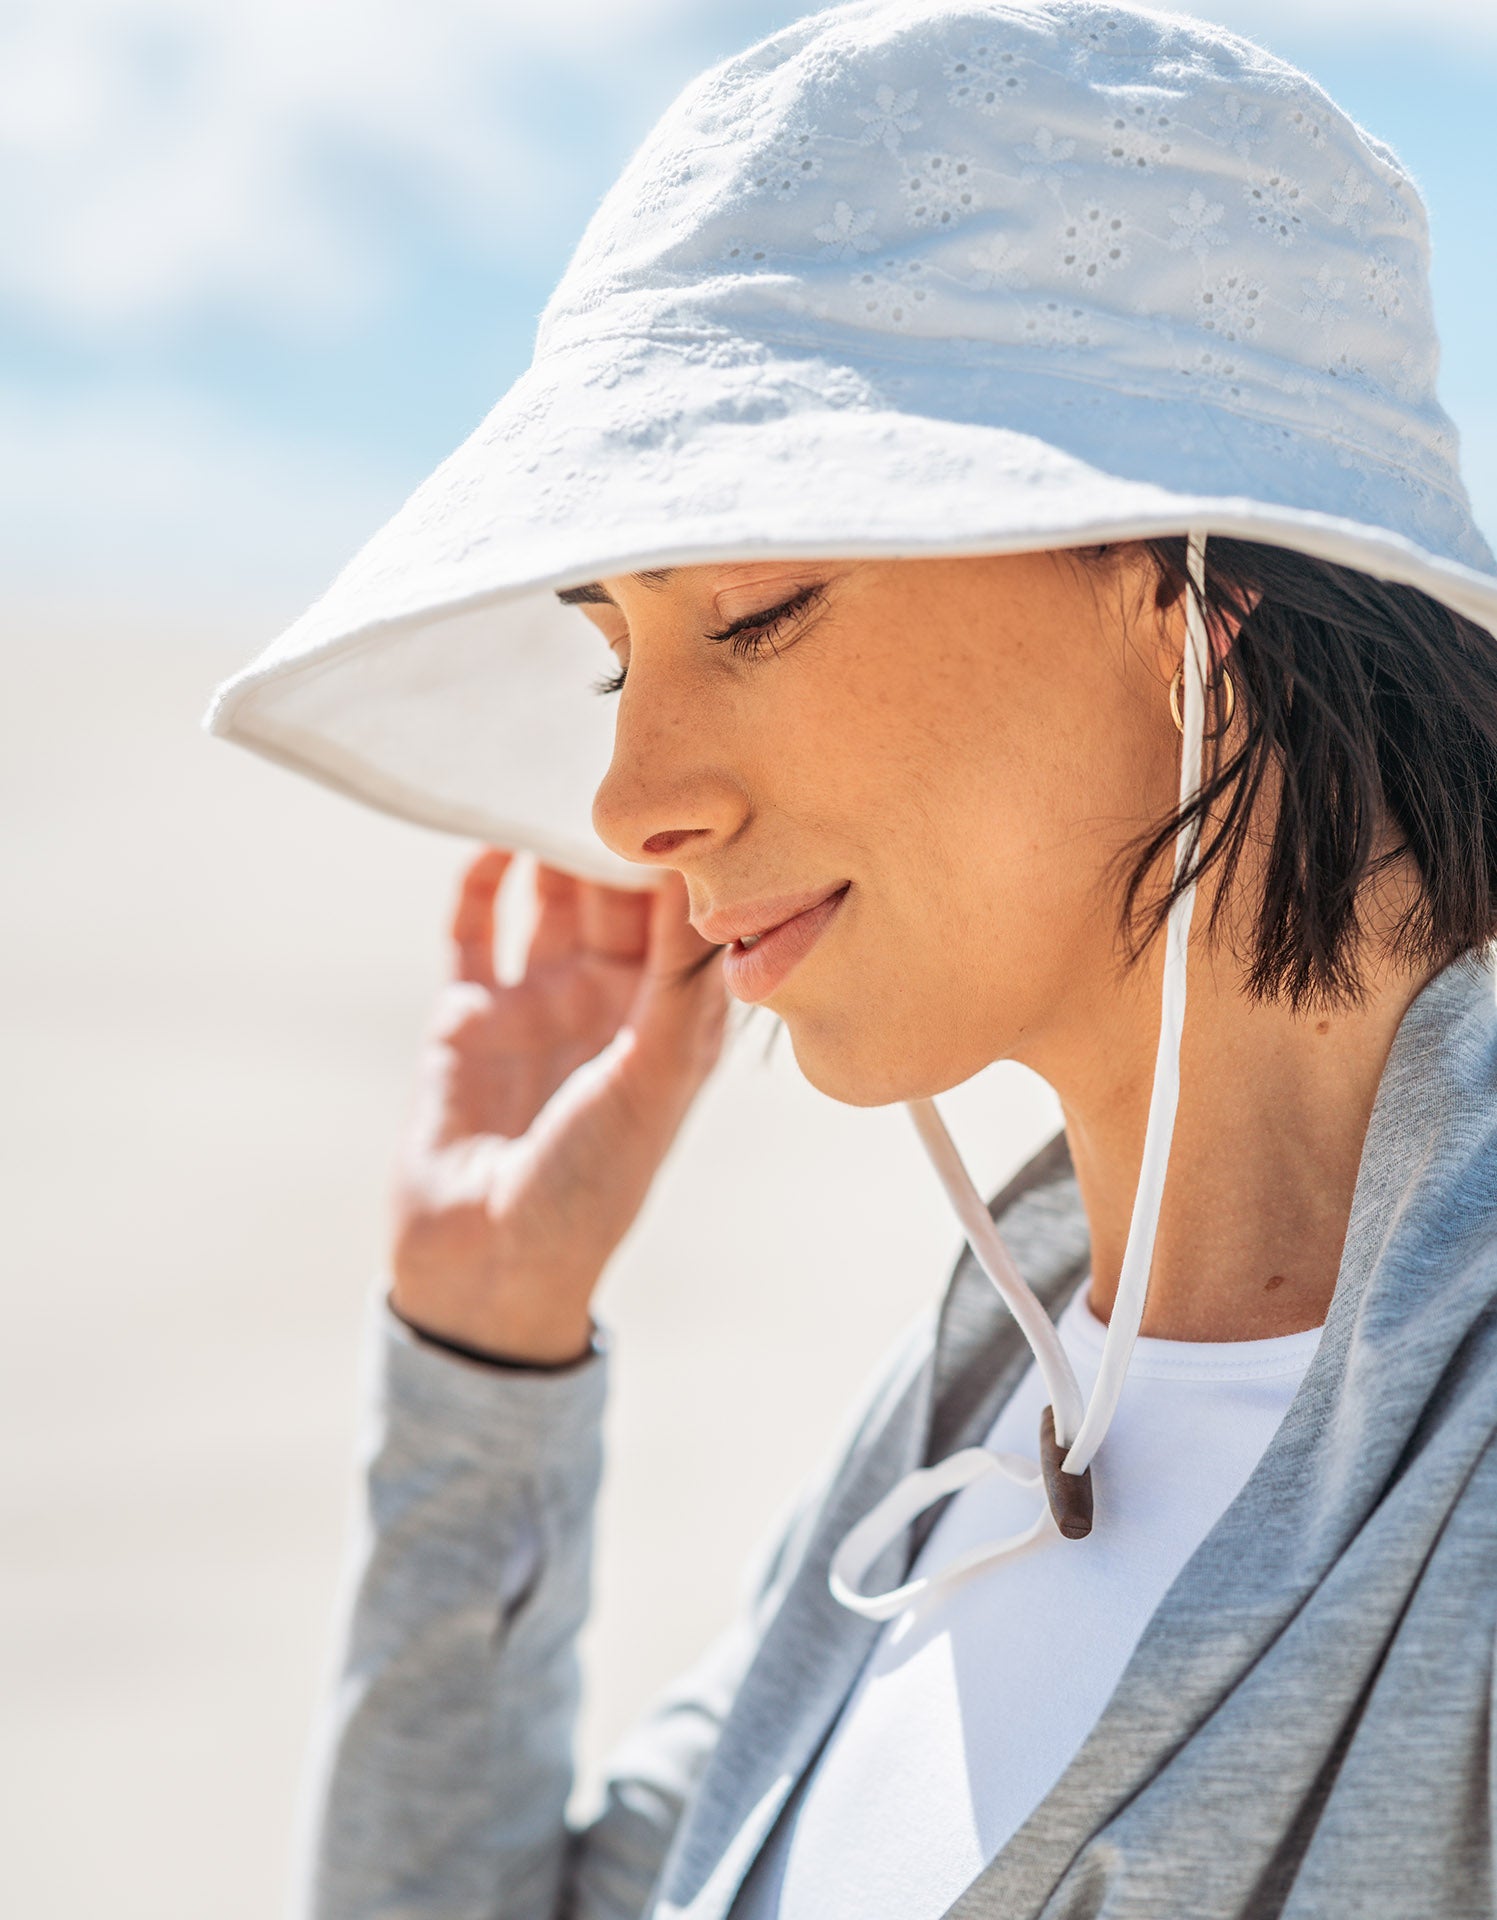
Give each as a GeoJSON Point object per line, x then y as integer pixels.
{"type": "Point", "coordinates": [755, 964]}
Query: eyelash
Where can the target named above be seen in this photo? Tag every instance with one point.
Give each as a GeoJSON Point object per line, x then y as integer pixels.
{"type": "Point", "coordinates": [749, 636]}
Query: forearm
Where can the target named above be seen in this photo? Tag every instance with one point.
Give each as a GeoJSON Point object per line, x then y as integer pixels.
{"type": "Point", "coordinates": [443, 1761]}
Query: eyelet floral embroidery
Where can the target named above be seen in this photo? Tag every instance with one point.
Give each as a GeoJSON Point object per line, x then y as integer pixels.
{"type": "Point", "coordinates": [1348, 366]}
{"type": "Point", "coordinates": [939, 190]}
{"type": "Point", "coordinates": [1413, 373]}
{"type": "Point", "coordinates": [1113, 38]}
{"type": "Point", "coordinates": [1046, 157]}
{"type": "Point", "coordinates": [563, 476]}
{"type": "Point", "coordinates": [985, 77]}
{"type": "Point", "coordinates": [1444, 440]}
{"type": "Point", "coordinates": [1230, 306]}
{"type": "Point", "coordinates": [1349, 197]}
{"type": "Point", "coordinates": [1397, 197]}
{"type": "Point", "coordinates": [1275, 201]}
{"type": "Point", "coordinates": [1198, 224]}
{"type": "Point", "coordinates": [1307, 124]}
{"type": "Point", "coordinates": [1382, 285]}
{"type": "Point", "coordinates": [1215, 368]}
{"type": "Point", "coordinates": [1093, 242]}
{"type": "Point", "coordinates": [1240, 124]}
{"type": "Point", "coordinates": [530, 410]}
{"type": "Point", "coordinates": [997, 262]}
{"type": "Point", "coordinates": [1139, 135]}
{"type": "Point", "coordinates": [1057, 323]}
{"type": "Point", "coordinates": [847, 234]}
{"type": "Point", "coordinates": [747, 254]}
{"type": "Point", "coordinates": [891, 115]}
{"type": "Point", "coordinates": [665, 185]}
{"type": "Point", "coordinates": [1323, 295]}
{"type": "Point", "coordinates": [893, 292]}
{"type": "Point", "coordinates": [787, 167]}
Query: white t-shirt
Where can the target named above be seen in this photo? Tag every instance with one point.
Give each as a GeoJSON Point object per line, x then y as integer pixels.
{"type": "Point", "coordinates": [973, 1700]}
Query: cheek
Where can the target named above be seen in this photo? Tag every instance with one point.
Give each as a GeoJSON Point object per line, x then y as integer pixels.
{"type": "Point", "coordinates": [987, 884]}
{"type": "Point", "coordinates": [1009, 808]}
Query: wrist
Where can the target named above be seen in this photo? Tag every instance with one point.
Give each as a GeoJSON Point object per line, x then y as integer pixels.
{"type": "Point", "coordinates": [551, 1350]}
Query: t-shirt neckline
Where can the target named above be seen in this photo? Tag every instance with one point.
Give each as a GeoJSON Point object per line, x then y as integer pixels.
{"type": "Point", "coordinates": [1158, 1359]}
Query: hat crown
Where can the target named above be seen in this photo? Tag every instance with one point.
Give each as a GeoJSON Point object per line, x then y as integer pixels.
{"type": "Point", "coordinates": [1102, 192]}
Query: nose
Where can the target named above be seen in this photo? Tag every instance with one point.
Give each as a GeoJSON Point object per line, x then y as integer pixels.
{"type": "Point", "coordinates": [671, 791]}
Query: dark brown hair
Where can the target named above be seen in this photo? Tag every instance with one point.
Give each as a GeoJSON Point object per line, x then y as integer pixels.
{"type": "Point", "coordinates": [1371, 709]}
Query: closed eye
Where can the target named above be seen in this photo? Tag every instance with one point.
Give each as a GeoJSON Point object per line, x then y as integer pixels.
{"type": "Point", "coordinates": [748, 636]}
{"type": "Point", "coordinates": [756, 630]}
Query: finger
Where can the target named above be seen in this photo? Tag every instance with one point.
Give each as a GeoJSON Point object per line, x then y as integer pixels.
{"type": "Point", "coordinates": [557, 931]}
{"type": "Point", "coordinates": [473, 917]}
{"type": "Point", "coordinates": [680, 1010]}
{"type": "Point", "coordinates": [674, 941]}
{"type": "Point", "coordinates": [615, 920]}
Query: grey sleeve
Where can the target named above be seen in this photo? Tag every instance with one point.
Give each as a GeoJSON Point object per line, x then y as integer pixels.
{"type": "Point", "coordinates": [442, 1761]}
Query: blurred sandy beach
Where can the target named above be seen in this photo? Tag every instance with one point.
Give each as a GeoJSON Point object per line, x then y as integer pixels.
{"type": "Point", "coordinates": [215, 978]}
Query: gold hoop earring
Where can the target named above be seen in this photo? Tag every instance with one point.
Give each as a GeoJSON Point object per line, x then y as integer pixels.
{"type": "Point", "coordinates": [1177, 687]}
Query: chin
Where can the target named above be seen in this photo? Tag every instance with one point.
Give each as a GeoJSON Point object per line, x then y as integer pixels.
{"type": "Point", "coordinates": [852, 1062]}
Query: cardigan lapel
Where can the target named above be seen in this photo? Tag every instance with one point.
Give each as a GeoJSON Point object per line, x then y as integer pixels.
{"type": "Point", "coordinates": [945, 1398]}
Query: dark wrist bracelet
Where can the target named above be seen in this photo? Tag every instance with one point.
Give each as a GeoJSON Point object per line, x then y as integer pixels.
{"type": "Point", "coordinates": [486, 1359]}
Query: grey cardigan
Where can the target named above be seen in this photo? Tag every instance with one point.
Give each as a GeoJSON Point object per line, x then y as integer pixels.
{"type": "Point", "coordinates": [1305, 1728]}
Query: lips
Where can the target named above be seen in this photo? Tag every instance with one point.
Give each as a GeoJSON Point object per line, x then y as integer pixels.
{"type": "Point", "coordinates": [753, 967]}
{"type": "Point", "coordinates": [752, 919]}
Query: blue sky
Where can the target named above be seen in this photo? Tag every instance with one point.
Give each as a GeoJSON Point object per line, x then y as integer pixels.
{"type": "Point", "coordinates": [263, 264]}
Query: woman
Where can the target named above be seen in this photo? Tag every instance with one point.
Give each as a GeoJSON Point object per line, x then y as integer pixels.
{"type": "Point", "coordinates": [998, 446]}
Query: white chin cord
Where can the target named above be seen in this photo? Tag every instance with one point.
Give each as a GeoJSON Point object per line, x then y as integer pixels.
{"type": "Point", "coordinates": [1071, 1429]}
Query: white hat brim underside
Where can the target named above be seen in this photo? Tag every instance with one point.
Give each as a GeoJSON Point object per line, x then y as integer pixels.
{"type": "Point", "coordinates": [439, 678]}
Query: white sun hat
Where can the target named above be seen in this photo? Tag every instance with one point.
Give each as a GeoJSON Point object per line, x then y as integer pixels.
{"type": "Point", "coordinates": [901, 279]}
{"type": "Point", "coordinates": [906, 279]}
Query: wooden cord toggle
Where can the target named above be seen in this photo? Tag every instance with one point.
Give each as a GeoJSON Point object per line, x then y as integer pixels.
{"type": "Point", "coordinates": [1069, 1494]}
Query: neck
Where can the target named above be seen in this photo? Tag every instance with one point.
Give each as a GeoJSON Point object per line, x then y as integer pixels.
{"type": "Point", "coordinates": [1267, 1143]}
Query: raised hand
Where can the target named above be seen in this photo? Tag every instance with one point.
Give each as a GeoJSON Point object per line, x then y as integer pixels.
{"type": "Point", "coordinates": [545, 1107]}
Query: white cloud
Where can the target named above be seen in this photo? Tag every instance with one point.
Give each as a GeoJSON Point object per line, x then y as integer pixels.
{"type": "Point", "coordinates": [158, 156]}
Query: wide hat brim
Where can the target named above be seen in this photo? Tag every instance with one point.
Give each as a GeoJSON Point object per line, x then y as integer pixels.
{"type": "Point", "coordinates": [440, 679]}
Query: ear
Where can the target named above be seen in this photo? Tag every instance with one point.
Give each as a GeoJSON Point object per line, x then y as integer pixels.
{"type": "Point", "coordinates": [1222, 626]}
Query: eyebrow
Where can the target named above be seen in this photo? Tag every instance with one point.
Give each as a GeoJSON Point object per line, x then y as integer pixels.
{"type": "Point", "coordinates": [595, 594]}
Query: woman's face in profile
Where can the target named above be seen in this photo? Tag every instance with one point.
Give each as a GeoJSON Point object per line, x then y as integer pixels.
{"type": "Point", "coordinates": [962, 744]}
